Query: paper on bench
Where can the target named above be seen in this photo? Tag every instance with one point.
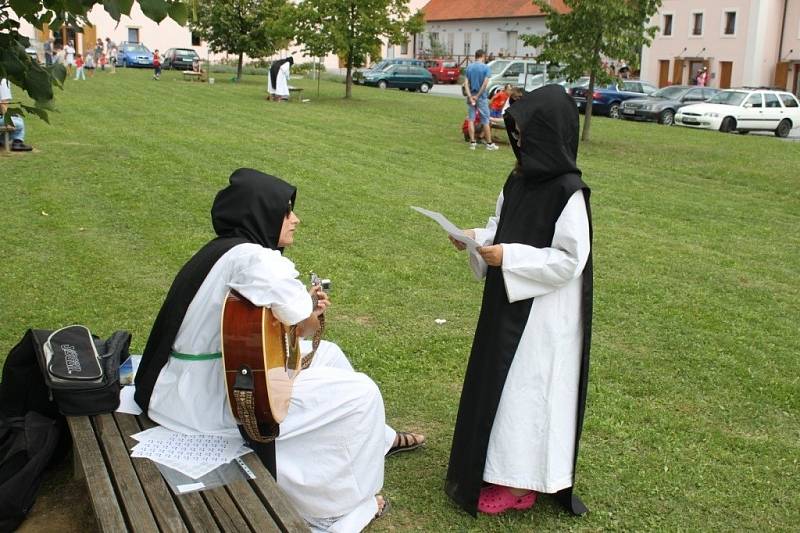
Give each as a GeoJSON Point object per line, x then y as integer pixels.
{"type": "Point", "coordinates": [126, 402]}
{"type": "Point", "coordinates": [451, 229]}
{"type": "Point", "coordinates": [192, 455]}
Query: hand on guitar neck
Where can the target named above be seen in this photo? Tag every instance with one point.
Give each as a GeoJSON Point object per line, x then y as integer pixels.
{"type": "Point", "coordinates": [309, 326]}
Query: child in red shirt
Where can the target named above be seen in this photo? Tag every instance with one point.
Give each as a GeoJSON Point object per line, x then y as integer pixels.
{"type": "Point", "coordinates": [79, 74]}
{"type": "Point", "coordinates": [156, 65]}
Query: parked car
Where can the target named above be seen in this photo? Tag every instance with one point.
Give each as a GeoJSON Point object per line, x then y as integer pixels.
{"type": "Point", "coordinates": [358, 75]}
{"type": "Point", "coordinates": [443, 71]}
{"type": "Point", "coordinates": [662, 105]}
{"type": "Point", "coordinates": [134, 55]}
{"type": "Point", "coordinates": [744, 110]}
{"type": "Point", "coordinates": [407, 77]}
{"type": "Point", "coordinates": [504, 72]}
{"type": "Point", "coordinates": [607, 99]}
{"type": "Point", "coordinates": [179, 58]}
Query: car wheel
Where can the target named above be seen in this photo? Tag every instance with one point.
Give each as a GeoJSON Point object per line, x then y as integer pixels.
{"type": "Point", "coordinates": [667, 117]}
{"type": "Point", "coordinates": [728, 125]}
{"type": "Point", "coordinates": [613, 110]}
{"type": "Point", "coordinates": [382, 84]}
{"type": "Point", "coordinates": [783, 128]}
{"type": "Point", "coordinates": [424, 88]}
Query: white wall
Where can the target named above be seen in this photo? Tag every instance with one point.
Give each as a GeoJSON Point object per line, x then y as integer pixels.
{"type": "Point", "coordinates": [498, 39]}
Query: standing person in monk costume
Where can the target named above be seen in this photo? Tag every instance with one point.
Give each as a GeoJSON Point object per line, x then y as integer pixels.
{"type": "Point", "coordinates": [522, 406]}
{"type": "Point", "coordinates": [329, 456]}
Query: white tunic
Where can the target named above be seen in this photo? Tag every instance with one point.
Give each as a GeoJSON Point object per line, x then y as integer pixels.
{"type": "Point", "coordinates": [282, 81]}
{"type": "Point", "coordinates": [532, 443]}
{"type": "Point", "coordinates": [331, 448]}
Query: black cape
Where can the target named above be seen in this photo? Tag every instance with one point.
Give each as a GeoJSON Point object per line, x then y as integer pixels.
{"type": "Point", "coordinates": [275, 67]}
{"type": "Point", "coordinates": [535, 194]}
{"type": "Point", "coordinates": [250, 209]}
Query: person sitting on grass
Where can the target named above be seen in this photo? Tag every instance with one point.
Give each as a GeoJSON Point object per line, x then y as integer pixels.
{"type": "Point", "coordinates": [509, 96]}
{"type": "Point", "coordinates": [17, 137]}
{"type": "Point", "coordinates": [329, 455]}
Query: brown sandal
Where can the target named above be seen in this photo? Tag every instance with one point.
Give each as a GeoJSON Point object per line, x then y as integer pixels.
{"type": "Point", "coordinates": [406, 442]}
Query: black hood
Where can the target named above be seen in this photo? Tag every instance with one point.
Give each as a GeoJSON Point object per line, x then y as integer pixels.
{"type": "Point", "coordinates": [252, 207]}
{"type": "Point", "coordinates": [547, 119]}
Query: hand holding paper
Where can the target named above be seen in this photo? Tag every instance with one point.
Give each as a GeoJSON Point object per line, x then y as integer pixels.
{"type": "Point", "coordinates": [451, 229]}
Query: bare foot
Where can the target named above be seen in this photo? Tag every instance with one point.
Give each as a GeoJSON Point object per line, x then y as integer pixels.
{"type": "Point", "coordinates": [382, 505]}
{"type": "Point", "coordinates": [519, 492]}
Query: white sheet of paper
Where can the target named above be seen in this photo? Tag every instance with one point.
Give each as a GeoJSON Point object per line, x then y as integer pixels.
{"type": "Point", "coordinates": [451, 229]}
{"type": "Point", "coordinates": [126, 402]}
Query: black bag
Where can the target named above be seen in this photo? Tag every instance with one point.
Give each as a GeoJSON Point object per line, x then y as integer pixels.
{"type": "Point", "coordinates": [81, 371]}
{"type": "Point", "coordinates": [26, 448]}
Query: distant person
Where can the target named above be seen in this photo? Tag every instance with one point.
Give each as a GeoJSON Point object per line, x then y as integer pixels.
{"type": "Point", "coordinates": [279, 73]}
{"type": "Point", "coordinates": [512, 94]}
{"type": "Point", "coordinates": [702, 77]}
{"type": "Point", "coordinates": [48, 52]}
{"type": "Point", "coordinates": [103, 61]}
{"type": "Point", "coordinates": [112, 60]}
{"type": "Point", "coordinates": [110, 45]}
{"type": "Point", "coordinates": [79, 72]}
{"type": "Point", "coordinates": [156, 65]}
{"type": "Point", "coordinates": [69, 57]}
{"type": "Point", "coordinates": [17, 137]}
{"type": "Point", "coordinates": [98, 50]}
{"type": "Point", "coordinates": [88, 64]}
{"type": "Point", "coordinates": [476, 87]}
{"type": "Point", "coordinates": [59, 58]}
{"type": "Point", "coordinates": [624, 71]}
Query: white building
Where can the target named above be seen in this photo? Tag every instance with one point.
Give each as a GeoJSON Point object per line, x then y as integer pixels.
{"type": "Point", "coordinates": [742, 42]}
{"type": "Point", "coordinates": [456, 28]}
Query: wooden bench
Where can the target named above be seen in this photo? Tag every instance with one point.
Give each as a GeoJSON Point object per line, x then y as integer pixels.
{"type": "Point", "coordinates": [297, 91]}
{"type": "Point", "coordinates": [6, 131]}
{"type": "Point", "coordinates": [193, 75]}
{"type": "Point", "coordinates": [129, 494]}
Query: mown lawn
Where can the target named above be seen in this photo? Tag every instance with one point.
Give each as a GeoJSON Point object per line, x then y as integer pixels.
{"type": "Point", "coordinates": [693, 420]}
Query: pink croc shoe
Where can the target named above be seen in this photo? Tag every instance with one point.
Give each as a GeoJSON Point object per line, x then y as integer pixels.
{"type": "Point", "coordinates": [495, 499]}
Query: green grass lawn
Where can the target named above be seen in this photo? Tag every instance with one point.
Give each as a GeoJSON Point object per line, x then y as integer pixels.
{"type": "Point", "coordinates": [693, 419]}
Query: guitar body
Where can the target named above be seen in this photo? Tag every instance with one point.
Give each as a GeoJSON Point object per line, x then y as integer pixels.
{"type": "Point", "coordinates": [261, 359]}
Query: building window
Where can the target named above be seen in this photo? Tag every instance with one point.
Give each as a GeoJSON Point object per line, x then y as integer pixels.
{"type": "Point", "coordinates": [404, 48]}
{"type": "Point", "coordinates": [467, 44]}
{"type": "Point", "coordinates": [730, 23]}
{"type": "Point", "coordinates": [133, 35]}
{"type": "Point", "coordinates": [451, 38]}
{"type": "Point", "coordinates": [195, 39]}
{"type": "Point", "coordinates": [485, 42]}
{"type": "Point", "coordinates": [666, 30]}
{"type": "Point", "coordinates": [697, 24]}
{"type": "Point", "coordinates": [434, 38]}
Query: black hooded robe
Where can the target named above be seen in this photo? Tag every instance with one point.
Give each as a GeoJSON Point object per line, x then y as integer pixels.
{"type": "Point", "coordinates": [275, 68]}
{"type": "Point", "coordinates": [534, 194]}
{"type": "Point", "coordinates": [250, 209]}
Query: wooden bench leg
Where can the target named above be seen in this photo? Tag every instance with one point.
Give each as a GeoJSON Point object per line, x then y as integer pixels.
{"type": "Point", "coordinates": [6, 141]}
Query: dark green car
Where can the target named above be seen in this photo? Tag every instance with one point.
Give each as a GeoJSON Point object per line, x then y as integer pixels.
{"type": "Point", "coordinates": [409, 77]}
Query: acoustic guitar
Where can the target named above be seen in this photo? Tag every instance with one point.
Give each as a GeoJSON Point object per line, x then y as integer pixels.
{"type": "Point", "coordinates": [261, 359]}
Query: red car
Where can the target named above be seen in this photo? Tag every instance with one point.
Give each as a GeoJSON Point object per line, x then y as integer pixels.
{"type": "Point", "coordinates": [443, 71]}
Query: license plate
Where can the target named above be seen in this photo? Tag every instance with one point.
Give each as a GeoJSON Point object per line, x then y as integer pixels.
{"type": "Point", "coordinates": [691, 122]}
{"type": "Point", "coordinates": [629, 111]}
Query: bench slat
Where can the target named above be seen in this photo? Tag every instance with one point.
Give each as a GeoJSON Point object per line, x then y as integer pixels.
{"type": "Point", "coordinates": [155, 489]}
{"type": "Point", "coordinates": [101, 492]}
{"type": "Point", "coordinates": [251, 507]}
{"type": "Point", "coordinates": [192, 505]}
{"type": "Point", "coordinates": [279, 506]}
{"type": "Point", "coordinates": [225, 511]}
{"type": "Point", "coordinates": [129, 489]}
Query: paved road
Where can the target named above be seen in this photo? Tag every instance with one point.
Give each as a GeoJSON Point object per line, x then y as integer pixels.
{"type": "Point", "coordinates": [454, 91]}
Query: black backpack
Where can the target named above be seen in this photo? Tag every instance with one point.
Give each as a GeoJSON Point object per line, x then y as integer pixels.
{"type": "Point", "coordinates": [27, 445]}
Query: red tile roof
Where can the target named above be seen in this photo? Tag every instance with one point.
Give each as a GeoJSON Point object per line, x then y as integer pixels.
{"type": "Point", "coordinates": [438, 10]}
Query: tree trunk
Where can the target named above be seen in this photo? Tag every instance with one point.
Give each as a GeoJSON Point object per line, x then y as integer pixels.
{"type": "Point", "coordinates": [348, 92]}
{"type": "Point", "coordinates": [239, 68]}
{"type": "Point", "coordinates": [587, 121]}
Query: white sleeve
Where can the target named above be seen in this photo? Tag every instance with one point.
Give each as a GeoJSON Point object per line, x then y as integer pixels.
{"type": "Point", "coordinates": [485, 236]}
{"type": "Point", "coordinates": [529, 272]}
{"type": "Point", "coordinates": [268, 279]}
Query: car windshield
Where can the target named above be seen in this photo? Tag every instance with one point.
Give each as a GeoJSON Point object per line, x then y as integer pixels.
{"type": "Point", "coordinates": [497, 66]}
{"type": "Point", "coordinates": [186, 53]}
{"type": "Point", "coordinates": [137, 49]}
{"type": "Point", "coordinates": [671, 93]}
{"type": "Point", "coordinates": [449, 64]}
{"type": "Point", "coordinates": [728, 98]}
